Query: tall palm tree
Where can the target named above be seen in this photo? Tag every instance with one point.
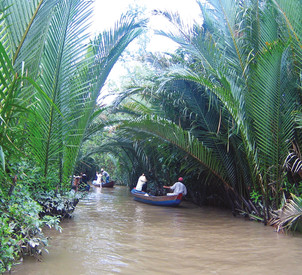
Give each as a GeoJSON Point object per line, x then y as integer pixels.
{"type": "Point", "coordinates": [245, 56]}
{"type": "Point", "coordinates": [13, 106]}
{"type": "Point", "coordinates": [50, 44]}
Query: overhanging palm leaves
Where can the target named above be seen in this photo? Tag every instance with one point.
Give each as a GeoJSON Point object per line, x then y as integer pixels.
{"type": "Point", "coordinates": [241, 64]}
{"type": "Point", "coordinates": [256, 87]}
{"type": "Point", "coordinates": [58, 65]}
{"type": "Point", "coordinates": [50, 43]}
{"type": "Point", "coordinates": [170, 132]}
{"type": "Point", "coordinates": [104, 52]}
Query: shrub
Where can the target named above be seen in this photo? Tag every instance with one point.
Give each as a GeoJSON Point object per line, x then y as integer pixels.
{"type": "Point", "coordinates": [21, 227]}
{"type": "Point", "coordinates": [56, 204]}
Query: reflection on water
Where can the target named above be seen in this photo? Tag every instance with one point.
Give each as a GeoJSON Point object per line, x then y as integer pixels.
{"type": "Point", "coordinates": [111, 233]}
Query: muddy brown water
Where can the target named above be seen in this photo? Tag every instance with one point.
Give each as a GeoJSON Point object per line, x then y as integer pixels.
{"type": "Point", "coordinates": [110, 233]}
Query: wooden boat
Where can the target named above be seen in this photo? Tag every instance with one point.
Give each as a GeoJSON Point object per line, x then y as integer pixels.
{"type": "Point", "coordinates": [109, 184]}
{"type": "Point", "coordinates": [156, 200]}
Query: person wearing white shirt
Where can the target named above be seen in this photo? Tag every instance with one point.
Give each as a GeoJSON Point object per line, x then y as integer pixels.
{"type": "Point", "coordinates": [177, 188]}
{"type": "Point", "coordinates": [140, 183]}
{"type": "Point", "coordinates": [98, 178]}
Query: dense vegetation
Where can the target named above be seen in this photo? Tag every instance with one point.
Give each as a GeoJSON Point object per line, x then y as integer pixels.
{"type": "Point", "coordinates": [51, 75]}
{"type": "Point", "coordinates": [223, 111]}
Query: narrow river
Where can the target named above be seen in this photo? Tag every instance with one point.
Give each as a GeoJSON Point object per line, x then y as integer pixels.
{"type": "Point", "coordinates": [110, 233]}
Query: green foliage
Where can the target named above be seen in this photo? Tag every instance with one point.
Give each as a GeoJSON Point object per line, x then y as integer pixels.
{"type": "Point", "coordinates": [56, 204]}
{"type": "Point", "coordinates": [256, 196]}
{"type": "Point", "coordinates": [49, 70]}
{"type": "Point", "coordinates": [63, 80]}
{"type": "Point", "coordinates": [21, 227]}
{"type": "Point", "coordinates": [31, 175]}
{"type": "Point", "coordinates": [291, 188]}
{"type": "Point", "coordinates": [9, 244]}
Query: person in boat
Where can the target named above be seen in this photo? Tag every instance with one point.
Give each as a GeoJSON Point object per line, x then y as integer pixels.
{"type": "Point", "coordinates": [84, 186]}
{"type": "Point", "coordinates": [98, 180]}
{"type": "Point", "coordinates": [141, 183]}
{"type": "Point", "coordinates": [76, 183]}
{"type": "Point", "coordinates": [106, 175]}
{"type": "Point", "coordinates": [177, 188]}
{"type": "Point", "coordinates": [84, 178]}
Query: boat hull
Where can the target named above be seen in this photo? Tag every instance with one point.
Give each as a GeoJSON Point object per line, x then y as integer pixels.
{"type": "Point", "coordinates": [108, 184]}
{"type": "Point", "coordinates": [156, 200]}
{"type": "Point", "coordinates": [104, 184]}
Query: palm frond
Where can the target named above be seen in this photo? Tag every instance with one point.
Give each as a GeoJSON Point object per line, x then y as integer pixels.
{"type": "Point", "coordinates": [184, 140]}
{"type": "Point", "coordinates": [28, 22]}
{"type": "Point", "coordinates": [106, 49]}
{"type": "Point", "coordinates": [63, 48]}
{"type": "Point", "coordinates": [274, 101]}
{"type": "Point", "coordinates": [290, 11]}
{"type": "Point", "coordinates": [289, 216]}
{"type": "Point", "coordinates": [10, 107]}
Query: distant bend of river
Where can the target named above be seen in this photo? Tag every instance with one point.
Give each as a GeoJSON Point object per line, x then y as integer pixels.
{"type": "Point", "coordinates": [110, 233]}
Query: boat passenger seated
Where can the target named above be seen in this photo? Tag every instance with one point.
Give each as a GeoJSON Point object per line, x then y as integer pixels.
{"type": "Point", "coordinates": [177, 188]}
